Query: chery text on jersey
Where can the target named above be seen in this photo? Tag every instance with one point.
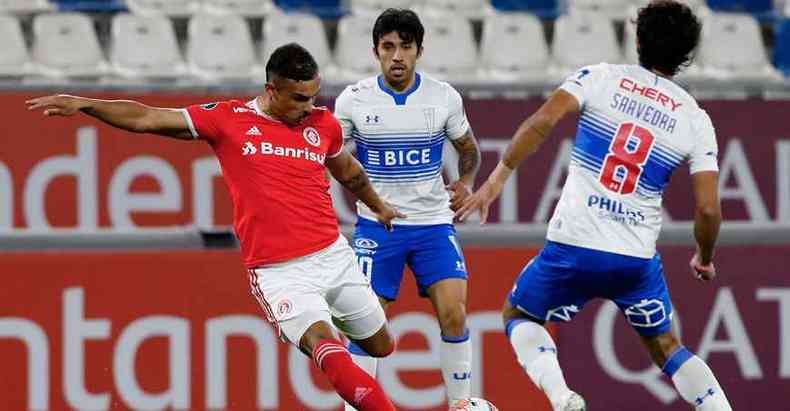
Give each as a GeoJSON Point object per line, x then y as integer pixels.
{"type": "Point", "coordinates": [635, 128]}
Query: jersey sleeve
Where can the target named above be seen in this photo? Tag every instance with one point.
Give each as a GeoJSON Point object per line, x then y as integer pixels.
{"type": "Point", "coordinates": [343, 112]}
{"type": "Point", "coordinates": [457, 123]}
{"type": "Point", "coordinates": [583, 83]}
{"type": "Point", "coordinates": [703, 156]}
{"type": "Point", "coordinates": [336, 142]}
{"type": "Point", "coordinates": [205, 119]}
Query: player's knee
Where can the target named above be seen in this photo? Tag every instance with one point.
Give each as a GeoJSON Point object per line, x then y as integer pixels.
{"type": "Point", "coordinates": [509, 312]}
{"type": "Point", "coordinates": [661, 347]}
{"type": "Point", "coordinates": [452, 319]}
{"type": "Point", "coordinates": [382, 347]}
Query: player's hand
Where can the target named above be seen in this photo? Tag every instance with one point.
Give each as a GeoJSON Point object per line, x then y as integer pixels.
{"type": "Point", "coordinates": [479, 201]}
{"type": "Point", "coordinates": [460, 192]}
{"type": "Point", "coordinates": [387, 214]}
{"type": "Point", "coordinates": [702, 272]}
{"type": "Point", "coordinates": [57, 105]}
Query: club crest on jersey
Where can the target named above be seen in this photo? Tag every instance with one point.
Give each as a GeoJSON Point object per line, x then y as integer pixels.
{"type": "Point", "coordinates": [311, 136]}
{"type": "Point", "coordinates": [209, 106]}
{"type": "Point", "coordinates": [284, 307]}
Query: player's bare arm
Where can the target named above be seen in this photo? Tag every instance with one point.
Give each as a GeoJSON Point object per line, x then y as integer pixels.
{"type": "Point", "coordinates": [707, 219]}
{"type": "Point", "coordinates": [124, 114]}
{"type": "Point", "coordinates": [468, 165]}
{"type": "Point", "coordinates": [347, 170]}
{"type": "Point", "coordinates": [526, 141]}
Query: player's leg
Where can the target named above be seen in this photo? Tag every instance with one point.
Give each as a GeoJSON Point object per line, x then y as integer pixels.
{"type": "Point", "coordinates": [293, 302]}
{"type": "Point", "coordinates": [543, 291]}
{"type": "Point", "coordinates": [649, 311]}
{"type": "Point", "coordinates": [381, 259]}
{"type": "Point", "coordinates": [354, 306]}
{"type": "Point", "coordinates": [352, 383]}
{"type": "Point", "coordinates": [437, 261]}
{"type": "Point", "coordinates": [693, 379]}
{"type": "Point", "coordinates": [448, 298]}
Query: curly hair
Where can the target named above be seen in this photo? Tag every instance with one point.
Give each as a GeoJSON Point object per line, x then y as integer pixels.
{"type": "Point", "coordinates": [667, 32]}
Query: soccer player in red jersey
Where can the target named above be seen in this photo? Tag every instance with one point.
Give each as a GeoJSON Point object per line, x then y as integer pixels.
{"type": "Point", "coordinates": [274, 151]}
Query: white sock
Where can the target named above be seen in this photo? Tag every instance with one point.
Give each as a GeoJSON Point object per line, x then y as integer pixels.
{"type": "Point", "coordinates": [695, 381]}
{"type": "Point", "coordinates": [537, 354]}
{"type": "Point", "coordinates": [455, 357]}
{"type": "Point", "coordinates": [364, 361]}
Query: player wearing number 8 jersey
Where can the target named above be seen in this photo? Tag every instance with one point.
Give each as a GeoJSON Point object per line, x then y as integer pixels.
{"type": "Point", "coordinates": [635, 128]}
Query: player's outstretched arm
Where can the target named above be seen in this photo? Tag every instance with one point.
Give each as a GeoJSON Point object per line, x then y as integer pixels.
{"type": "Point", "coordinates": [707, 219]}
{"type": "Point", "coordinates": [528, 138]}
{"type": "Point", "coordinates": [347, 170]}
{"type": "Point", "coordinates": [124, 114]}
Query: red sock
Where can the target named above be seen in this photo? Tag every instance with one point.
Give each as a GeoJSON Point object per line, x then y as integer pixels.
{"type": "Point", "coordinates": [352, 383]}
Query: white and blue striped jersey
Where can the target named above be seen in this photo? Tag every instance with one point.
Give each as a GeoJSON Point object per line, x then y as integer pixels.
{"type": "Point", "coordinates": [635, 128]}
{"type": "Point", "coordinates": [399, 140]}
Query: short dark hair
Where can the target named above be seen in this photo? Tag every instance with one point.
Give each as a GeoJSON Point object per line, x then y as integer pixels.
{"type": "Point", "coordinates": [291, 61]}
{"type": "Point", "coordinates": [668, 33]}
{"type": "Point", "coordinates": [403, 21]}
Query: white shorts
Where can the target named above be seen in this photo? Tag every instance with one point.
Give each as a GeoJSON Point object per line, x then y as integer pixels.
{"type": "Point", "coordinates": [318, 287]}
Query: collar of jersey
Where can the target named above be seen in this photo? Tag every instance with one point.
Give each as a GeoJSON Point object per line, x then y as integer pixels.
{"type": "Point", "coordinates": [400, 98]}
{"type": "Point", "coordinates": [258, 111]}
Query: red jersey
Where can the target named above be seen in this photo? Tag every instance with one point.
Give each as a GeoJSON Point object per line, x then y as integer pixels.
{"type": "Point", "coordinates": [276, 177]}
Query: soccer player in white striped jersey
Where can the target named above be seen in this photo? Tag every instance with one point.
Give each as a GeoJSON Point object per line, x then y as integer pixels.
{"type": "Point", "coordinates": [636, 127]}
{"type": "Point", "coordinates": [399, 121]}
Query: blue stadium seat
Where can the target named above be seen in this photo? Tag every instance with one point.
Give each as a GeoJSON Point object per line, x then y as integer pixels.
{"type": "Point", "coordinates": [91, 5]}
{"type": "Point", "coordinates": [327, 9]}
{"type": "Point", "coordinates": [547, 9]}
{"type": "Point", "coordinates": [782, 47]}
{"type": "Point", "coordinates": [757, 7]}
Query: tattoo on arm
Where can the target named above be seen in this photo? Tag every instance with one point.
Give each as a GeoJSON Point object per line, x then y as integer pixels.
{"type": "Point", "coordinates": [468, 156]}
{"type": "Point", "coordinates": [356, 182]}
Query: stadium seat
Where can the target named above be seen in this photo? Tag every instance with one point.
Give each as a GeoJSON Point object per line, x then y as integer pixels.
{"type": "Point", "coordinates": [354, 49]}
{"type": "Point", "coordinates": [582, 39]}
{"type": "Point", "coordinates": [220, 48]}
{"type": "Point", "coordinates": [65, 45]}
{"type": "Point", "coordinates": [106, 6]}
{"type": "Point", "coordinates": [14, 58]}
{"type": "Point", "coordinates": [513, 48]}
{"type": "Point", "coordinates": [473, 9]}
{"type": "Point", "coordinates": [172, 8]}
{"type": "Point", "coordinates": [25, 6]}
{"type": "Point", "coordinates": [732, 48]}
{"type": "Point", "coordinates": [782, 47]}
{"type": "Point", "coordinates": [145, 46]}
{"type": "Point", "coordinates": [305, 29]}
{"type": "Point", "coordinates": [328, 9]}
{"type": "Point", "coordinates": [449, 49]}
{"type": "Point", "coordinates": [742, 6]}
{"type": "Point", "coordinates": [375, 7]}
{"type": "Point", "coordinates": [614, 9]}
{"type": "Point", "coordinates": [546, 9]}
{"type": "Point", "coordinates": [247, 8]}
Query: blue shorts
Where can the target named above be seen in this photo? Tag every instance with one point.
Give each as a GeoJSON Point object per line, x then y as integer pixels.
{"type": "Point", "coordinates": [431, 251]}
{"type": "Point", "coordinates": [556, 284]}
